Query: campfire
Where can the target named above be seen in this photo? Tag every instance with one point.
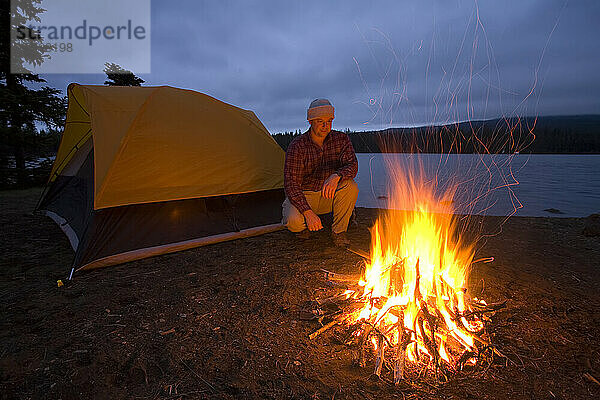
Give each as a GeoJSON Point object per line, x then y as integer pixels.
{"type": "Point", "coordinates": [410, 309]}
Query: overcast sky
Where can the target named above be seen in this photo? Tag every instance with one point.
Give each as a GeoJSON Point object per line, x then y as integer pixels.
{"type": "Point", "coordinates": [381, 63]}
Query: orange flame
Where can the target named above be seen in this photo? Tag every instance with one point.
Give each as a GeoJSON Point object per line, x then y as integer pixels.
{"type": "Point", "coordinates": [415, 281]}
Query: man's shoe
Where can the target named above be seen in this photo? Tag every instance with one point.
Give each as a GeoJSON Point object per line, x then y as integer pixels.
{"type": "Point", "coordinates": [340, 239]}
{"type": "Point", "coordinates": [303, 235]}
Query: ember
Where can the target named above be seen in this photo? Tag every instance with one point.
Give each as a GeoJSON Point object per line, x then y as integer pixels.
{"type": "Point", "coordinates": [410, 307]}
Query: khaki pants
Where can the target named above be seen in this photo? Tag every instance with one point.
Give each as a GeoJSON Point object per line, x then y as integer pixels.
{"type": "Point", "coordinates": [342, 205]}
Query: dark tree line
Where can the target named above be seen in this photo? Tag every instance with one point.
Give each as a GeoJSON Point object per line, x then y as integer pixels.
{"type": "Point", "coordinates": [568, 134]}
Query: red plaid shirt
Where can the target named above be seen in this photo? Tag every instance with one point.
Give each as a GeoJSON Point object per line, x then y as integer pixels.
{"type": "Point", "coordinates": [307, 166]}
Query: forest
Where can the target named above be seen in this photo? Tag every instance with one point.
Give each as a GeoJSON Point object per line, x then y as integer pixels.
{"type": "Point", "coordinates": [578, 134]}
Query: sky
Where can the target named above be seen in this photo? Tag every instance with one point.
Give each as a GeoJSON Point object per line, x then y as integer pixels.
{"type": "Point", "coordinates": [380, 63]}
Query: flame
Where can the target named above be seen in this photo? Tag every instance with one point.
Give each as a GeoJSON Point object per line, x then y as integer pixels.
{"type": "Point", "coordinates": [415, 282]}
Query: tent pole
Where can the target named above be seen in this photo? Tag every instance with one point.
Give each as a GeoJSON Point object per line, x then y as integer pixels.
{"type": "Point", "coordinates": [173, 247]}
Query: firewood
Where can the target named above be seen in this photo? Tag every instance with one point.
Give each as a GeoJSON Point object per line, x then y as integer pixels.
{"type": "Point", "coordinates": [363, 356]}
{"type": "Point", "coordinates": [334, 276]}
{"type": "Point", "coordinates": [590, 378]}
{"type": "Point", "coordinates": [163, 333]}
{"type": "Point", "coordinates": [488, 307]}
{"type": "Point", "coordinates": [484, 260]}
{"type": "Point", "coordinates": [417, 294]}
{"type": "Point", "coordinates": [400, 359]}
{"type": "Point", "coordinates": [334, 322]}
{"type": "Point", "coordinates": [332, 299]}
{"type": "Point", "coordinates": [360, 253]}
{"type": "Point", "coordinates": [431, 345]}
{"type": "Point", "coordinates": [463, 359]}
{"type": "Point", "coordinates": [380, 333]}
{"type": "Point", "coordinates": [426, 330]}
{"type": "Point", "coordinates": [349, 337]}
{"type": "Point", "coordinates": [380, 355]}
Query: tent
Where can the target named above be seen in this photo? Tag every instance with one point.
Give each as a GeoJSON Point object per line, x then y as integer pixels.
{"type": "Point", "coordinates": [142, 171]}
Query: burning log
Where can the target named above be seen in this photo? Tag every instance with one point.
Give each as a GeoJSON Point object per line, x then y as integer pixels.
{"type": "Point", "coordinates": [334, 276]}
{"type": "Point", "coordinates": [432, 325]}
{"type": "Point", "coordinates": [466, 356]}
{"type": "Point", "coordinates": [429, 342]}
{"type": "Point", "coordinates": [331, 324]}
{"type": "Point", "coordinates": [380, 355]}
{"type": "Point", "coordinates": [362, 362]}
{"type": "Point", "coordinates": [400, 357]}
{"type": "Point", "coordinates": [351, 334]}
{"type": "Point", "coordinates": [410, 304]}
{"type": "Point", "coordinates": [340, 314]}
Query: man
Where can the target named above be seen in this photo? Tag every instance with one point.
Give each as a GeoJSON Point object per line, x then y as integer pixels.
{"type": "Point", "coordinates": [320, 166]}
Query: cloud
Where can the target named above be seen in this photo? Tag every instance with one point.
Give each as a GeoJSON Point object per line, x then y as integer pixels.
{"type": "Point", "coordinates": [385, 63]}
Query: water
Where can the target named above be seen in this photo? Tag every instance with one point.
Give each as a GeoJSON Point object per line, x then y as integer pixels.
{"type": "Point", "coordinates": [536, 185]}
{"type": "Point", "coordinates": [29, 163]}
{"type": "Point", "coordinates": [487, 184]}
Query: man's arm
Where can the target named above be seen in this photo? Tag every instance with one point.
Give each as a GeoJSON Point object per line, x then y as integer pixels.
{"type": "Point", "coordinates": [349, 167]}
{"type": "Point", "coordinates": [292, 179]}
{"type": "Point", "coordinates": [347, 170]}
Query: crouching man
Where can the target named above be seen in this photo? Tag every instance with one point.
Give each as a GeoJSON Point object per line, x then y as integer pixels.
{"type": "Point", "coordinates": [320, 166]}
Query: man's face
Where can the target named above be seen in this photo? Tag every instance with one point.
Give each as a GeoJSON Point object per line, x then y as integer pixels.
{"type": "Point", "coordinates": [321, 126]}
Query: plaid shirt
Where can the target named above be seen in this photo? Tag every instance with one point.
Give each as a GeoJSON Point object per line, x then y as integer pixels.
{"type": "Point", "coordinates": [307, 166]}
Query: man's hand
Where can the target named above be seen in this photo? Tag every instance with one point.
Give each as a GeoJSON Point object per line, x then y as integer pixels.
{"type": "Point", "coordinates": [330, 186]}
{"type": "Point", "coordinates": [312, 221]}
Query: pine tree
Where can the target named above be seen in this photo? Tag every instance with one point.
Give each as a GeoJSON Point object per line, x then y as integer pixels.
{"type": "Point", "coordinates": [22, 107]}
{"type": "Point", "coordinates": [119, 76]}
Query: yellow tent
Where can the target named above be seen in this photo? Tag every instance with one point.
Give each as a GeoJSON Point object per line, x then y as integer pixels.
{"type": "Point", "coordinates": [132, 158]}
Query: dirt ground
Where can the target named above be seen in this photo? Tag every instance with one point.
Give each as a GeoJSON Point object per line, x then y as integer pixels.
{"type": "Point", "coordinates": [222, 321]}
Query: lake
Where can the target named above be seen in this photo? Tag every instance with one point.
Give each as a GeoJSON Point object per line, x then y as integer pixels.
{"type": "Point", "coordinates": [562, 185]}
